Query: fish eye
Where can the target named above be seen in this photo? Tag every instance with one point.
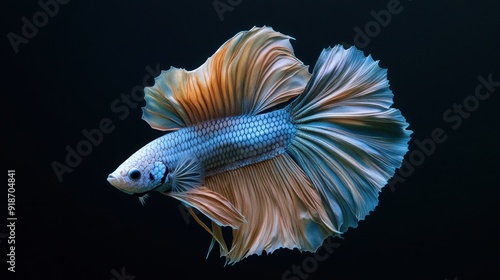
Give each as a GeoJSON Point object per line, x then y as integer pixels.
{"type": "Point", "coordinates": [134, 174]}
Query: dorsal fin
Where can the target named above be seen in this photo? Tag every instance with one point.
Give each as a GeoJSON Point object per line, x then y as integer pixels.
{"type": "Point", "coordinates": [253, 71]}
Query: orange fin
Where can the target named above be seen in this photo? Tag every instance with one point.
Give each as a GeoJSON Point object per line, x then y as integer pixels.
{"type": "Point", "coordinates": [216, 208]}
{"type": "Point", "coordinates": [211, 204]}
{"type": "Point", "coordinates": [253, 71]}
{"type": "Point", "coordinates": [281, 208]}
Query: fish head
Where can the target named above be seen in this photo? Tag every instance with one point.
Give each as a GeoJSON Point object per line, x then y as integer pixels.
{"type": "Point", "coordinates": [140, 174]}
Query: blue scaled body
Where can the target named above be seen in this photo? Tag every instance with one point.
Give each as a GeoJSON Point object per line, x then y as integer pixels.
{"type": "Point", "coordinates": [229, 143]}
{"type": "Point", "coordinates": [279, 176]}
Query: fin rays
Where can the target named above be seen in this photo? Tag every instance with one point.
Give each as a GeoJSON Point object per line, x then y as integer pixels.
{"type": "Point", "coordinates": [280, 206]}
{"type": "Point", "coordinates": [187, 174]}
{"type": "Point", "coordinates": [212, 205]}
{"type": "Point", "coordinates": [349, 141]}
{"type": "Point", "coordinates": [252, 72]}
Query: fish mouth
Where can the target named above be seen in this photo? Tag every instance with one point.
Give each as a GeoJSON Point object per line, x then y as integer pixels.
{"type": "Point", "coordinates": [114, 180]}
{"type": "Point", "coordinates": [117, 182]}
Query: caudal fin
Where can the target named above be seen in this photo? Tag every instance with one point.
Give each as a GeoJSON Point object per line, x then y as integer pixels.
{"type": "Point", "coordinates": [349, 140]}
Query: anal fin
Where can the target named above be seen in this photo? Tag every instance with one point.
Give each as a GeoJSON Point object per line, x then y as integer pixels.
{"type": "Point", "coordinates": [281, 207]}
{"type": "Point", "coordinates": [211, 204]}
{"type": "Point", "coordinates": [216, 208]}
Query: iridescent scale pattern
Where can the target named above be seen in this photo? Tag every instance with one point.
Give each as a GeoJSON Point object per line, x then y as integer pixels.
{"type": "Point", "coordinates": [229, 143]}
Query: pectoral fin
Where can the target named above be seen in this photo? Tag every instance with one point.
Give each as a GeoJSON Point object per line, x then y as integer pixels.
{"type": "Point", "coordinates": [187, 173]}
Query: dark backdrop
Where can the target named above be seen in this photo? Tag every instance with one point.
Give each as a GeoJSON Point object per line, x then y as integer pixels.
{"type": "Point", "coordinates": [440, 222]}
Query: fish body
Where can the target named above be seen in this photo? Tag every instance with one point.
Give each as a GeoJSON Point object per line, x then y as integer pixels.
{"type": "Point", "coordinates": [255, 142]}
{"type": "Point", "coordinates": [218, 145]}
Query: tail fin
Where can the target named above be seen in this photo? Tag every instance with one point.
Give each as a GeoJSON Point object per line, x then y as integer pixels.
{"type": "Point", "coordinates": [349, 141]}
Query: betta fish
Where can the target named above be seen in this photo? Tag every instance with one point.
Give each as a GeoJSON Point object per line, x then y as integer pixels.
{"type": "Point", "coordinates": [257, 143]}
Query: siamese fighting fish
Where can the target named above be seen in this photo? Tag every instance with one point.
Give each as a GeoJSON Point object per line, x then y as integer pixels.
{"type": "Point", "coordinates": [255, 142]}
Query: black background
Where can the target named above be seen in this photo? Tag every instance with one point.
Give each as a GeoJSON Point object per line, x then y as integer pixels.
{"type": "Point", "coordinates": [440, 223]}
